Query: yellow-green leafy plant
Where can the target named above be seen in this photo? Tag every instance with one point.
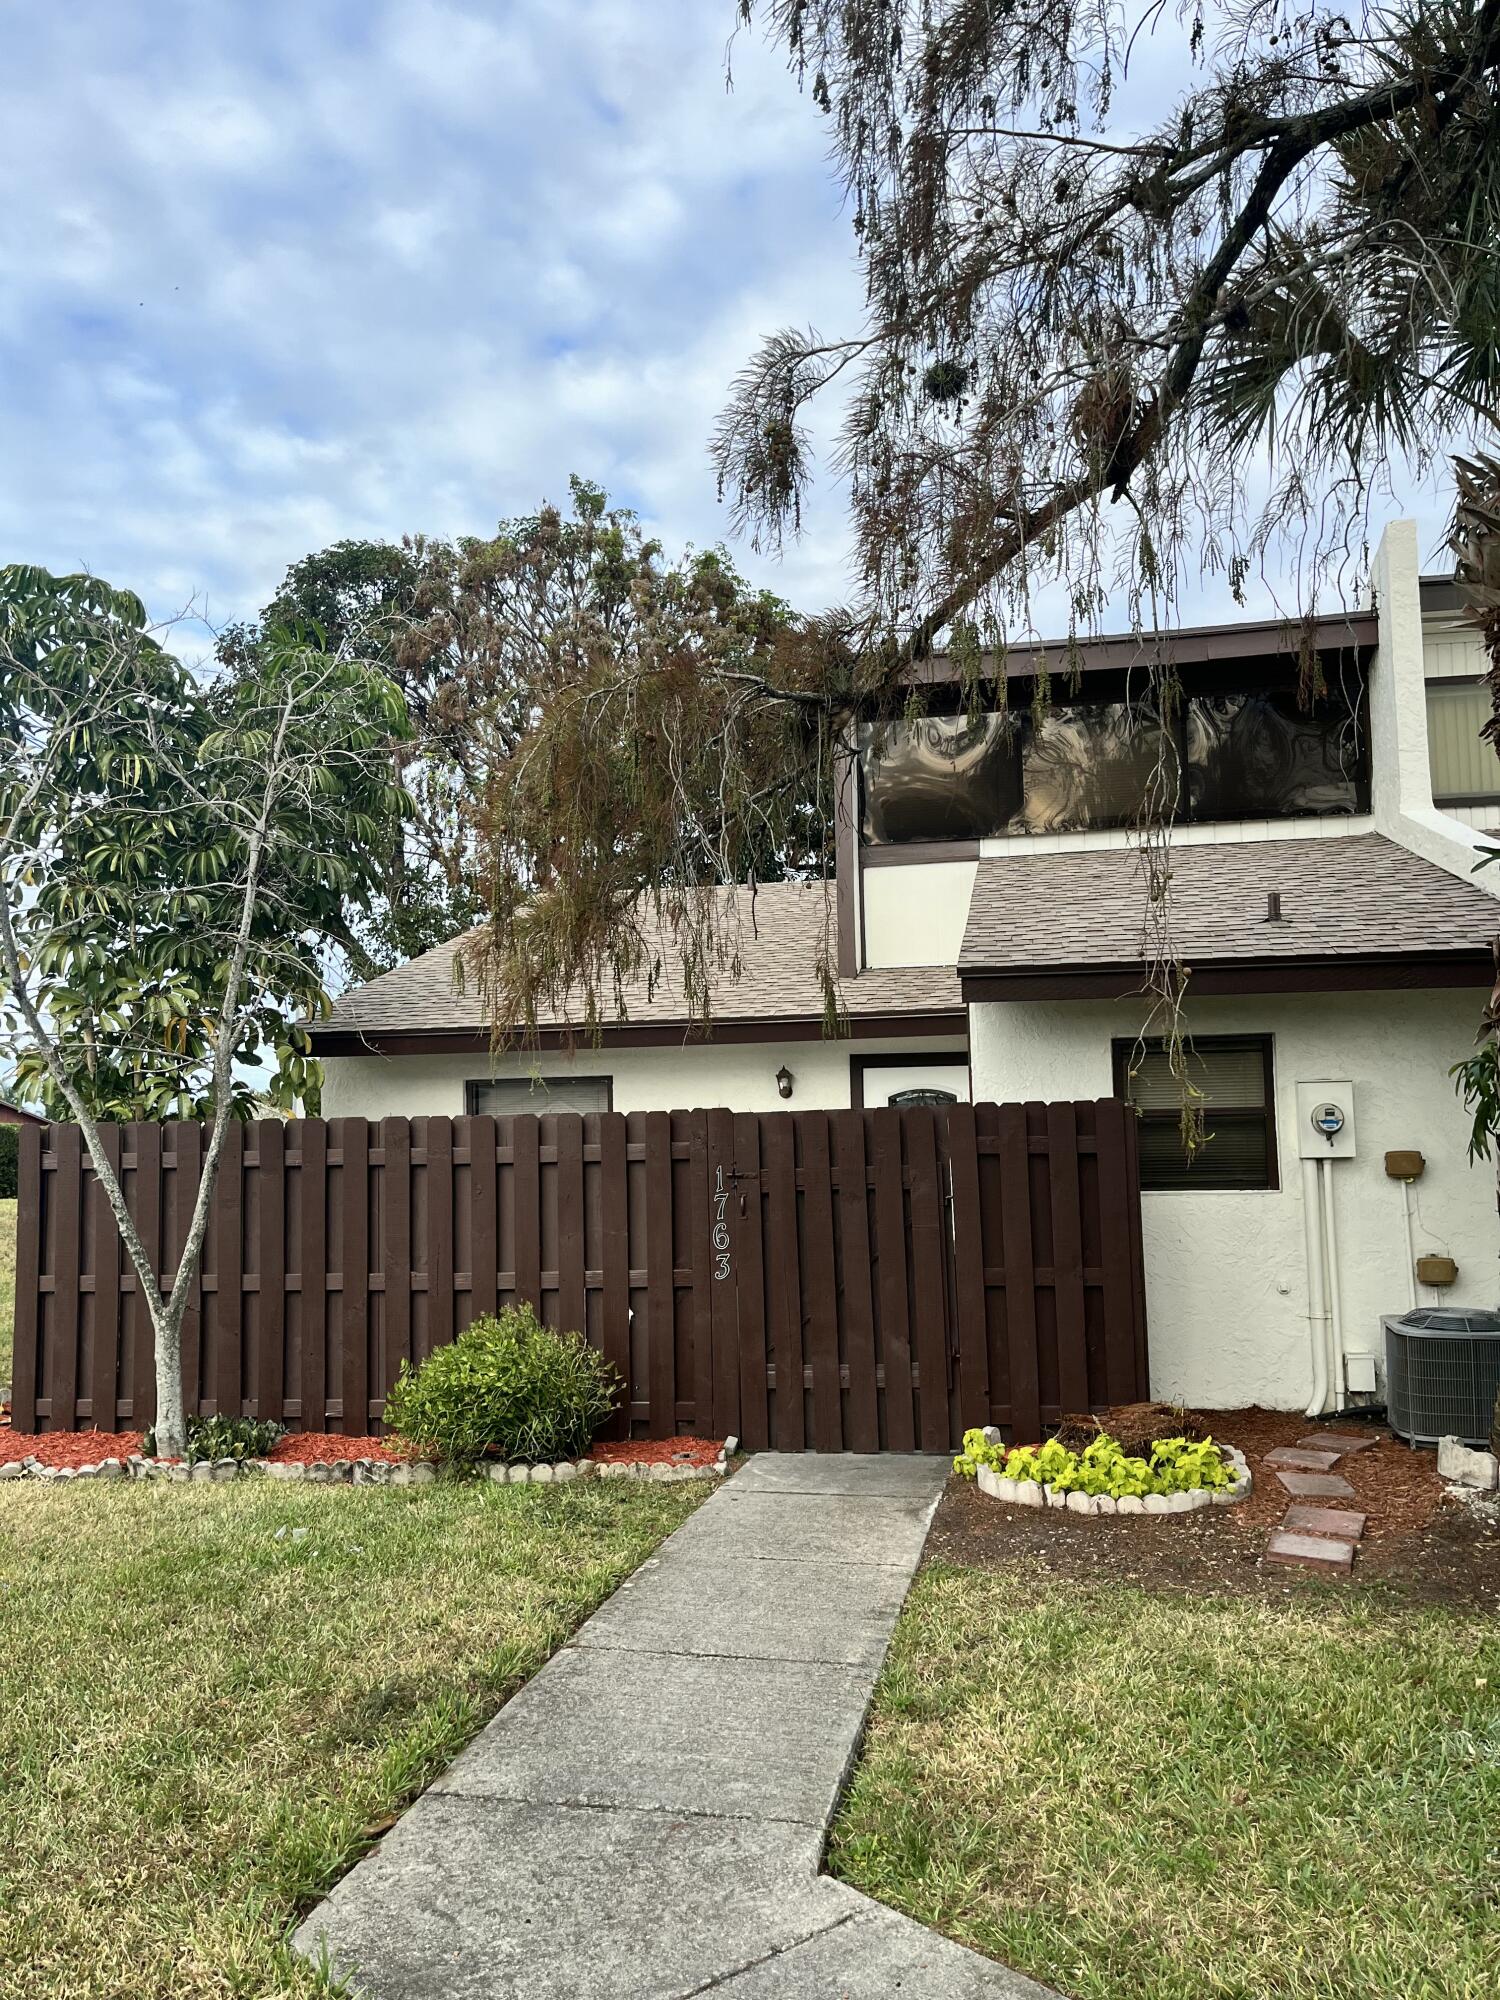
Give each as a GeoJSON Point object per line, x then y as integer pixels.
{"type": "Point", "coordinates": [1176, 1465]}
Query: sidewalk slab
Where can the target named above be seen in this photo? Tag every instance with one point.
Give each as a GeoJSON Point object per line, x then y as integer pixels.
{"type": "Point", "coordinates": [700, 1600]}
{"type": "Point", "coordinates": [645, 1819]}
{"type": "Point", "coordinates": [807, 1527]}
{"type": "Point", "coordinates": [877, 1954]}
{"type": "Point", "coordinates": [471, 1899]}
{"type": "Point", "coordinates": [768, 1739]}
{"type": "Point", "coordinates": [890, 1477]}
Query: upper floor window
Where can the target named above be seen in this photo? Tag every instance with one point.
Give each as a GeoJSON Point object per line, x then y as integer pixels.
{"type": "Point", "coordinates": [1223, 754]}
{"type": "Point", "coordinates": [1465, 768]}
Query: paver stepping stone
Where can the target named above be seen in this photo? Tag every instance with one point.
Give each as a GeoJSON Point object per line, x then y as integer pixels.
{"type": "Point", "coordinates": [1309, 1552]}
{"type": "Point", "coordinates": [1316, 1485]}
{"type": "Point", "coordinates": [1302, 1461]}
{"type": "Point", "coordinates": [1341, 1522]}
{"type": "Point", "coordinates": [1342, 1441]}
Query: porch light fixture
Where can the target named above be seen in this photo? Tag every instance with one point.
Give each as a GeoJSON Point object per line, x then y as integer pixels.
{"type": "Point", "coordinates": [784, 1081]}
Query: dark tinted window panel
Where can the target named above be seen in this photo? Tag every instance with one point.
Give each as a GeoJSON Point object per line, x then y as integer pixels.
{"type": "Point", "coordinates": [945, 777]}
{"type": "Point", "coordinates": [1257, 756]}
{"type": "Point", "coordinates": [1096, 765]}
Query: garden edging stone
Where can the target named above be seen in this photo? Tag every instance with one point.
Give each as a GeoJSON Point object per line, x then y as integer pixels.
{"type": "Point", "coordinates": [1030, 1493]}
{"type": "Point", "coordinates": [353, 1471]}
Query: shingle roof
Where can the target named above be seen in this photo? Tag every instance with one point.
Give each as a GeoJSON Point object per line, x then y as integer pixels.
{"type": "Point", "coordinates": [1358, 895]}
{"type": "Point", "coordinates": [779, 939]}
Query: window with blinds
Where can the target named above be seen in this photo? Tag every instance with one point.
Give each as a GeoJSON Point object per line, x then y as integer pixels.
{"type": "Point", "coordinates": [1465, 770]}
{"type": "Point", "coordinates": [1234, 1074]}
{"type": "Point", "coordinates": [509, 1095]}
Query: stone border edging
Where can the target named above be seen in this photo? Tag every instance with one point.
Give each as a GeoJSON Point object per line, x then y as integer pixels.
{"type": "Point", "coordinates": [361, 1471]}
{"type": "Point", "coordinates": [1031, 1493]}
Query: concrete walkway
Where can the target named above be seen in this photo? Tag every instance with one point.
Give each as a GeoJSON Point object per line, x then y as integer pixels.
{"type": "Point", "coordinates": [645, 1819]}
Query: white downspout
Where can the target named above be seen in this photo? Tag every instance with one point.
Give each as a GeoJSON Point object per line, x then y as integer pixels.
{"type": "Point", "coordinates": [1317, 1291]}
{"type": "Point", "coordinates": [1335, 1289]}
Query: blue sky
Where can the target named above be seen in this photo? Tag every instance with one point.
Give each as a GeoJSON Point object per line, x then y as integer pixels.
{"type": "Point", "coordinates": [275, 272]}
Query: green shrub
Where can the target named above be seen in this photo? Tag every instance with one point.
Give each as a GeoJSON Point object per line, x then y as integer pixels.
{"type": "Point", "coordinates": [1176, 1465]}
{"type": "Point", "coordinates": [509, 1388]}
{"type": "Point", "coordinates": [10, 1140]}
{"type": "Point", "coordinates": [224, 1437]}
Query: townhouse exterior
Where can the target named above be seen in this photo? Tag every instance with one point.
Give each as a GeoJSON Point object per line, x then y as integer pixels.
{"type": "Point", "coordinates": [990, 918]}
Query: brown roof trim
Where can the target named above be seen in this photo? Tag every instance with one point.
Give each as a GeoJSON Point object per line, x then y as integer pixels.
{"type": "Point", "coordinates": [1348, 973]}
{"type": "Point", "coordinates": [1191, 645]}
{"type": "Point", "coordinates": [905, 853]}
{"type": "Point", "coordinates": [636, 1035]}
{"type": "Point", "coordinates": [17, 1114]}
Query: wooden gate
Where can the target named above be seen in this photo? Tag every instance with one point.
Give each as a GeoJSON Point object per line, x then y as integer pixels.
{"type": "Point", "coordinates": [832, 1281]}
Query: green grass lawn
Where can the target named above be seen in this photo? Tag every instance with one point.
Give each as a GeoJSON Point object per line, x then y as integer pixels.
{"type": "Point", "coordinates": [201, 1726]}
{"type": "Point", "coordinates": [7, 1286]}
{"type": "Point", "coordinates": [1134, 1796]}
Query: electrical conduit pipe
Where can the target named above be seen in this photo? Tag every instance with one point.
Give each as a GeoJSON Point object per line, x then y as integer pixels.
{"type": "Point", "coordinates": [1317, 1287]}
{"type": "Point", "coordinates": [1335, 1374]}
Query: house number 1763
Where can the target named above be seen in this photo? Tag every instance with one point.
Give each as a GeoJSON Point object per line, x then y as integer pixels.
{"type": "Point", "coordinates": [721, 1227]}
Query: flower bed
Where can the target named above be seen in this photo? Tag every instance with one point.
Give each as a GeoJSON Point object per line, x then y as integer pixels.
{"type": "Point", "coordinates": [1177, 1475]}
{"type": "Point", "coordinates": [325, 1459]}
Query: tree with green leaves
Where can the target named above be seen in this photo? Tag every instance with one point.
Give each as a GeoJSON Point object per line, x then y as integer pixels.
{"type": "Point", "coordinates": [1099, 353]}
{"type": "Point", "coordinates": [176, 857]}
{"type": "Point", "coordinates": [485, 635]}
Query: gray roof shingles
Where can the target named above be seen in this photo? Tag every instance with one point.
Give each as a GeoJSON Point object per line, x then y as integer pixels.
{"type": "Point", "coordinates": [779, 938]}
{"type": "Point", "coordinates": [1358, 895]}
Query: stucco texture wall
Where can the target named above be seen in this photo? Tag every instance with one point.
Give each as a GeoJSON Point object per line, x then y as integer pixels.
{"type": "Point", "coordinates": [1226, 1277]}
{"type": "Point", "coordinates": [742, 1076]}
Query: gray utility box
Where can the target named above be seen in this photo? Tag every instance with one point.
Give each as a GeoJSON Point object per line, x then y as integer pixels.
{"type": "Point", "coordinates": [1442, 1373]}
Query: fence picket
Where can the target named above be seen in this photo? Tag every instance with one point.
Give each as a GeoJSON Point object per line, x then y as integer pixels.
{"type": "Point", "coordinates": [104, 1334]}
{"type": "Point", "coordinates": [352, 1137]}
{"type": "Point", "coordinates": [29, 1327]}
{"type": "Point", "coordinates": [143, 1140]}
{"type": "Point", "coordinates": [312, 1296]}
{"type": "Point", "coordinates": [221, 1371]}
{"type": "Point", "coordinates": [784, 1281]}
{"type": "Point", "coordinates": [265, 1373]}
{"type": "Point", "coordinates": [614, 1256]}
{"type": "Point", "coordinates": [890, 1273]}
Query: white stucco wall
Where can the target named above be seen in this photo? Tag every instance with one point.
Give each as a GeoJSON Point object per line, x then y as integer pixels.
{"type": "Point", "coordinates": [1226, 1279]}
{"type": "Point", "coordinates": [742, 1076]}
{"type": "Point", "coordinates": [1401, 769]}
{"type": "Point", "coordinates": [915, 911]}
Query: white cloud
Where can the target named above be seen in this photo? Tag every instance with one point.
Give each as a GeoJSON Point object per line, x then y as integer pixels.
{"type": "Point", "coordinates": [274, 277]}
{"type": "Point", "coordinates": [271, 276]}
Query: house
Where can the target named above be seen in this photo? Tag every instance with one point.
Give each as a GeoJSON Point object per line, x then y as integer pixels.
{"type": "Point", "coordinates": [991, 923]}
{"type": "Point", "coordinates": [16, 1114]}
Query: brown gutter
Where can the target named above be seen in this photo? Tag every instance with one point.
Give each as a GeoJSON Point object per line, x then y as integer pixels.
{"type": "Point", "coordinates": [1193, 645]}
{"type": "Point", "coordinates": [637, 1035]}
{"type": "Point", "coordinates": [1346, 973]}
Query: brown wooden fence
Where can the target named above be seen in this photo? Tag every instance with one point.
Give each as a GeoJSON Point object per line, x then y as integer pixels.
{"type": "Point", "coordinates": [847, 1280]}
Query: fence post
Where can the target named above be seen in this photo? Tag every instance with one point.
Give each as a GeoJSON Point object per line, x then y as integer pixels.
{"type": "Point", "coordinates": [28, 1322]}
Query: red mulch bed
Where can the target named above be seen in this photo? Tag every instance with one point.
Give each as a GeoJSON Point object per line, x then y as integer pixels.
{"type": "Point", "coordinates": [68, 1447]}
{"type": "Point", "coordinates": [660, 1451]}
